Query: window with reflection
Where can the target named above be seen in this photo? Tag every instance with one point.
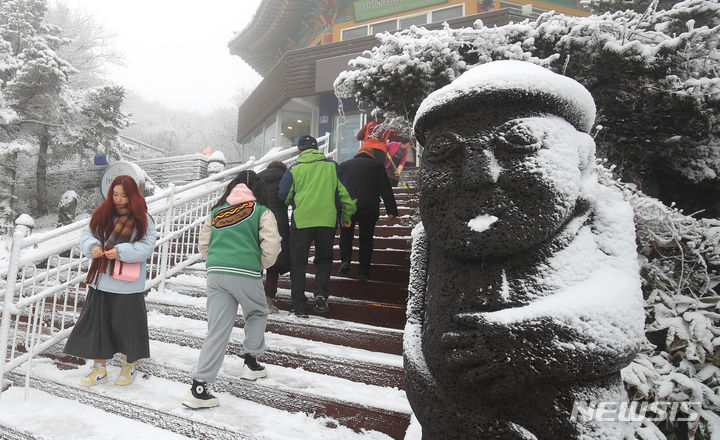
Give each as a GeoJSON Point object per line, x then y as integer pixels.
{"type": "Point", "coordinates": [349, 34]}
{"type": "Point", "coordinates": [269, 135]}
{"type": "Point", "coordinates": [292, 126]}
{"type": "Point", "coordinates": [344, 134]}
{"type": "Point", "coordinates": [418, 20]}
{"type": "Point", "coordinates": [385, 26]}
{"type": "Point", "coordinates": [447, 13]}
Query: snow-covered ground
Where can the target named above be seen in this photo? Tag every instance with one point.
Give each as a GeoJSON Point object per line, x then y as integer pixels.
{"type": "Point", "coordinates": [70, 419]}
{"type": "Point", "coordinates": [55, 418]}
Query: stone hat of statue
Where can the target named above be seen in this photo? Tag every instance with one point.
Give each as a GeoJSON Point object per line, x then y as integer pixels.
{"type": "Point", "coordinates": [515, 85]}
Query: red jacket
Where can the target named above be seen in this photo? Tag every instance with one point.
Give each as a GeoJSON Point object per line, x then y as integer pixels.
{"type": "Point", "coordinates": [375, 137]}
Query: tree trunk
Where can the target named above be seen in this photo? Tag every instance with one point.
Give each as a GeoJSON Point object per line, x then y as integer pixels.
{"type": "Point", "coordinates": [8, 174]}
{"type": "Point", "coordinates": [41, 175]}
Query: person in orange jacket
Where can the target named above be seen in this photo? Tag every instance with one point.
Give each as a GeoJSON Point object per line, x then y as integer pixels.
{"type": "Point", "coordinates": [376, 136]}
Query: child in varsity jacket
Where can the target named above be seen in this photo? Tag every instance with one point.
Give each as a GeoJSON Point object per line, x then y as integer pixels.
{"type": "Point", "coordinates": [239, 239]}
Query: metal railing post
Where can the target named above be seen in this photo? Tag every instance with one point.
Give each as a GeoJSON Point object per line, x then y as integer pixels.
{"type": "Point", "coordinates": [17, 243]}
{"type": "Point", "coordinates": [167, 224]}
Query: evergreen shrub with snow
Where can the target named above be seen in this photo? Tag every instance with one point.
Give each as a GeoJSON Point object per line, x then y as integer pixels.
{"type": "Point", "coordinates": [653, 75]}
{"type": "Point", "coordinates": [680, 268]}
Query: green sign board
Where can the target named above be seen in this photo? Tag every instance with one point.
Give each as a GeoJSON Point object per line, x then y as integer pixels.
{"type": "Point", "coordinates": [369, 9]}
{"type": "Point", "coordinates": [567, 3]}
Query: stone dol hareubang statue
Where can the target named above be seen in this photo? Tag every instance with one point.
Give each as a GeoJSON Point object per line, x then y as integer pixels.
{"type": "Point", "coordinates": [525, 291]}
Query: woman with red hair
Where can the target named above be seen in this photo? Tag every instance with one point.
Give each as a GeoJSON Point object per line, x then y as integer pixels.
{"type": "Point", "coordinates": [114, 318]}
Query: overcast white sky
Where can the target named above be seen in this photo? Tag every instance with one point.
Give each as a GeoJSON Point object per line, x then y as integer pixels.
{"type": "Point", "coordinates": [176, 50]}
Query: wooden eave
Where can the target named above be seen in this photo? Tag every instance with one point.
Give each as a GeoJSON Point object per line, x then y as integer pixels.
{"type": "Point", "coordinates": [293, 76]}
{"type": "Point", "coordinates": [264, 38]}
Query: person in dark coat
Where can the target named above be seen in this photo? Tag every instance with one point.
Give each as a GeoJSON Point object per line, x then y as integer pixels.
{"type": "Point", "coordinates": [369, 182]}
{"type": "Point", "coordinates": [272, 175]}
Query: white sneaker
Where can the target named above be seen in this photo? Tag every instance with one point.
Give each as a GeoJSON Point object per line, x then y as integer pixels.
{"type": "Point", "coordinates": [127, 374]}
{"type": "Point", "coordinates": [95, 376]}
{"type": "Point", "coordinates": [249, 374]}
{"type": "Point", "coordinates": [200, 396]}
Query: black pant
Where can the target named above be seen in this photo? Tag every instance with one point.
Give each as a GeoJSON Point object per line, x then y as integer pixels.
{"type": "Point", "coordinates": [271, 282]}
{"type": "Point", "coordinates": [300, 240]}
{"type": "Point", "coordinates": [366, 223]}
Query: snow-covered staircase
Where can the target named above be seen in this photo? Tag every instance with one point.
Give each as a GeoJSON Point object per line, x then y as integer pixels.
{"type": "Point", "coordinates": [339, 376]}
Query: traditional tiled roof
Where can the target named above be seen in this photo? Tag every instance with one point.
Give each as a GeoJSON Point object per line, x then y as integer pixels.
{"type": "Point", "coordinates": [264, 39]}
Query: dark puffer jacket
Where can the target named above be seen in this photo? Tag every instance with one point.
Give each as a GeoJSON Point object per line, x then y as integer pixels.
{"type": "Point", "coordinates": [271, 177]}
{"type": "Point", "coordinates": [368, 183]}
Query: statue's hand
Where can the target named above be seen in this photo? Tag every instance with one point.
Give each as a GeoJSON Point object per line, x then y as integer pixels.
{"type": "Point", "coordinates": [508, 356]}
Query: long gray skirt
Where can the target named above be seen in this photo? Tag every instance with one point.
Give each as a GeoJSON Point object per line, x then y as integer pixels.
{"type": "Point", "coordinates": [110, 323]}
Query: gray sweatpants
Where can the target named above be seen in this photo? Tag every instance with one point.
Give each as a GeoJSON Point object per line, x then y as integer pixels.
{"type": "Point", "coordinates": [224, 293]}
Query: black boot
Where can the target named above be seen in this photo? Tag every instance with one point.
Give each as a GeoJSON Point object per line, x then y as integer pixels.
{"type": "Point", "coordinates": [344, 269]}
{"type": "Point", "coordinates": [321, 304]}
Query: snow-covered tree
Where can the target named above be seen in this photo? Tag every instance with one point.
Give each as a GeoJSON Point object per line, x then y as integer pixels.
{"type": "Point", "coordinates": [90, 46]}
{"type": "Point", "coordinates": [654, 77]}
{"type": "Point", "coordinates": [10, 147]}
{"type": "Point", "coordinates": [34, 80]}
{"type": "Point", "coordinates": [92, 124]}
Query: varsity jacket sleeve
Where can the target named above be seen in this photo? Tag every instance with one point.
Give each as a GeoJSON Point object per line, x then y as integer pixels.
{"type": "Point", "coordinates": [349, 206]}
{"type": "Point", "coordinates": [286, 188]}
{"type": "Point", "coordinates": [270, 240]}
{"type": "Point", "coordinates": [204, 239]}
{"type": "Point", "coordinates": [139, 250]}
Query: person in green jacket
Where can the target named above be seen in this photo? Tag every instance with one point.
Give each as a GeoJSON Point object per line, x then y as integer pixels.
{"type": "Point", "coordinates": [316, 190]}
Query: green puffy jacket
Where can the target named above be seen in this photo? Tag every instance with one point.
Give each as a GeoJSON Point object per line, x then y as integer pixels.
{"type": "Point", "coordinates": [316, 189]}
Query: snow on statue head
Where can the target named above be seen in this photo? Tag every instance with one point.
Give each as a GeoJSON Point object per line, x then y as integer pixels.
{"type": "Point", "coordinates": [525, 290]}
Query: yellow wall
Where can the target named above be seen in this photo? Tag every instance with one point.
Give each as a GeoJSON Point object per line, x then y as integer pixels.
{"type": "Point", "coordinates": [551, 7]}
{"type": "Point", "coordinates": [470, 8]}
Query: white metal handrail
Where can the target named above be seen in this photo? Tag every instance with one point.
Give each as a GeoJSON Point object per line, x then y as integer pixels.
{"type": "Point", "coordinates": [44, 277]}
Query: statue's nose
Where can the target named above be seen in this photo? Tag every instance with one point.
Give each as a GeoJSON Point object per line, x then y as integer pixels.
{"type": "Point", "coordinates": [480, 168]}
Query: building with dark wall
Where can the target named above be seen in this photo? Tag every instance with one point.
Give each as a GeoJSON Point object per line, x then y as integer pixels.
{"type": "Point", "coordinates": [300, 46]}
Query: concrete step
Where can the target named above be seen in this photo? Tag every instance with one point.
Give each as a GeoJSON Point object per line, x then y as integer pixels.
{"type": "Point", "coordinates": [357, 365]}
{"type": "Point", "coordinates": [391, 228]}
{"type": "Point", "coordinates": [395, 257]}
{"type": "Point", "coordinates": [373, 326]}
{"type": "Point", "coordinates": [349, 288]}
{"type": "Point", "coordinates": [376, 401]}
{"type": "Point", "coordinates": [349, 333]}
{"type": "Point", "coordinates": [382, 242]}
{"type": "Point", "coordinates": [379, 272]}
{"type": "Point", "coordinates": [374, 313]}
{"type": "Point", "coordinates": [86, 411]}
{"type": "Point", "coordinates": [155, 399]}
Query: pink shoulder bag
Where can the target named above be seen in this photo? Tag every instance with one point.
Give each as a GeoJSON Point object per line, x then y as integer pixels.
{"type": "Point", "coordinates": [126, 271]}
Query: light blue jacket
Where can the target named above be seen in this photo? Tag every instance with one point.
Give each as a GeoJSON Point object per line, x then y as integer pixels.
{"type": "Point", "coordinates": [131, 252]}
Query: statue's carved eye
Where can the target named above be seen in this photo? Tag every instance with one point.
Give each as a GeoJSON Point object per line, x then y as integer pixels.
{"type": "Point", "coordinates": [517, 137]}
{"type": "Point", "coordinates": [442, 148]}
